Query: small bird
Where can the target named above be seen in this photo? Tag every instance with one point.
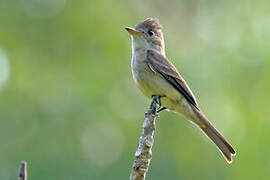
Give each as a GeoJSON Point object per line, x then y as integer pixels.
{"type": "Point", "coordinates": [155, 75]}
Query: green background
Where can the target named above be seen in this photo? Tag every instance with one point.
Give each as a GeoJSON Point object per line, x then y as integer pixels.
{"type": "Point", "coordinates": [69, 106]}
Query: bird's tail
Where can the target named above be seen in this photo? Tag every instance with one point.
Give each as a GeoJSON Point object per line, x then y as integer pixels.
{"type": "Point", "coordinates": [225, 148]}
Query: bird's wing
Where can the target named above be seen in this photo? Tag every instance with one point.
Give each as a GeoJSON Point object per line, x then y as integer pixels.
{"type": "Point", "coordinates": [163, 66]}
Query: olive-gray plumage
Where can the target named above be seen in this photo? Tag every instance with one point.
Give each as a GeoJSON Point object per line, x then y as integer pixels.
{"type": "Point", "coordinates": [155, 74]}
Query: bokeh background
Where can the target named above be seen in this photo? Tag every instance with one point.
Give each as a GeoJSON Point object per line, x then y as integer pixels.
{"type": "Point", "coordinates": [69, 107]}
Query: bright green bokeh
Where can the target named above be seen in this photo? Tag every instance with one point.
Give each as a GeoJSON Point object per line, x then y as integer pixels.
{"type": "Point", "coordinates": [69, 107]}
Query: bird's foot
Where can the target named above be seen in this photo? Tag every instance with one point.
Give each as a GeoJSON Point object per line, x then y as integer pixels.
{"type": "Point", "coordinates": [157, 98]}
{"type": "Point", "coordinates": [161, 109]}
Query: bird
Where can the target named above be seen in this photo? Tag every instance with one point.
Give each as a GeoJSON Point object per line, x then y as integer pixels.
{"type": "Point", "coordinates": [156, 76]}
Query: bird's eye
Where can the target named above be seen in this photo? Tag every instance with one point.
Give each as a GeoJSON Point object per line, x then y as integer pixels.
{"type": "Point", "coordinates": [151, 32]}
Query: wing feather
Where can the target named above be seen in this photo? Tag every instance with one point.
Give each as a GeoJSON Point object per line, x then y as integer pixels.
{"type": "Point", "coordinates": [167, 70]}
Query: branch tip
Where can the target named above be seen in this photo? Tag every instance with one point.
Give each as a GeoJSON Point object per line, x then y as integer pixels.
{"type": "Point", "coordinates": [23, 171]}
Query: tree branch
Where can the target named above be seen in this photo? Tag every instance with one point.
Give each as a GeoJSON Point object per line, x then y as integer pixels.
{"type": "Point", "coordinates": [143, 155]}
{"type": "Point", "coordinates": [23, 171]}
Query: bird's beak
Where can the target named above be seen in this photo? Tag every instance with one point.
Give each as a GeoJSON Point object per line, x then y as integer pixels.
{"type": "Point", "coordinates": [132, 31]}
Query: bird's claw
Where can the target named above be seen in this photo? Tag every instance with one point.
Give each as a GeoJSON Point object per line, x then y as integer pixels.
{"type": "Point", "coordinates": [157, 98]}
{"type": "Point", "coordinates": [158, 101]}
{"type": "Point", "coordinates": [161, 109]}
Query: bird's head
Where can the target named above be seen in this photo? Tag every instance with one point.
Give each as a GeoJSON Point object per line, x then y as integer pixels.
{"type": "Point", "coordinates": [147, 34]}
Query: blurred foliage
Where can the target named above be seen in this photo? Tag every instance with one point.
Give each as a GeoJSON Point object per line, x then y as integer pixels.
{"type": "Point", "coordinates": [69, 107]}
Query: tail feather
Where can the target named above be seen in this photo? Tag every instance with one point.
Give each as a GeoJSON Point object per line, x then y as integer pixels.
{"type": "Point", "coordinates": [224, 146]}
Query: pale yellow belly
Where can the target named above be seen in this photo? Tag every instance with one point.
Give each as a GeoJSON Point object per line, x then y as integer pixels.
{"type": "Point", "coordinates": [151, 83]}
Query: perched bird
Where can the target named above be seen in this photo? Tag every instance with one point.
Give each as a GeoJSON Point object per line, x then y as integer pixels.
{"type": "Point", "coordinates": [155, 75]}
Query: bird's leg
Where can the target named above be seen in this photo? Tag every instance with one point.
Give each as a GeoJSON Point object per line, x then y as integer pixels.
{"type": "Point", "coordinates": [157, 98]}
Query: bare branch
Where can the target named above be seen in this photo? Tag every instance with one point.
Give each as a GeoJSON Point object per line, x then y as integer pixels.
{"type": "Point", "coordinates": [143, 155]}
{"type": "Point", "coordinates": [23, 171]}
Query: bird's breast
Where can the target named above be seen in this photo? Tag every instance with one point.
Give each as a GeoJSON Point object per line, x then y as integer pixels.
{"type": "Point", "coordinates": [139, 70]}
